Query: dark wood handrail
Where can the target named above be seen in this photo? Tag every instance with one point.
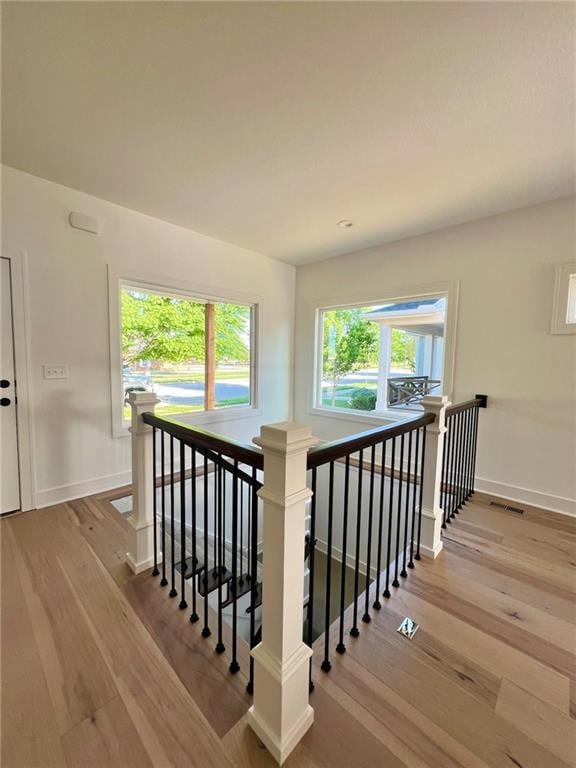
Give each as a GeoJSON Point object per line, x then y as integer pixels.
{"type": "Point", "coordinates": [202, 438]}
{"type": "Point", "coordinates": [478, 401]}
{"type": "Point", "coordinates": [344, 446]}
{"type": "Point", "coordinates": [218, 460]}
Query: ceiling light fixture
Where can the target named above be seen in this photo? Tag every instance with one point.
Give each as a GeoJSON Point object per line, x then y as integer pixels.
{"type": "Point", "coordinates": [346, 223]}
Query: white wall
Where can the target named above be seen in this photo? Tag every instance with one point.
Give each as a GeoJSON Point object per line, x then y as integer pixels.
{"type": "Point", "coordinates": [74, 451]}
{"type": "Point", "coordinates": [505, 268]}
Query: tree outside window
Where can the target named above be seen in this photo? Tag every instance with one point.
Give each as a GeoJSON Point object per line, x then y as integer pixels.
{"type": "Point", "coordinates": [193, 354]}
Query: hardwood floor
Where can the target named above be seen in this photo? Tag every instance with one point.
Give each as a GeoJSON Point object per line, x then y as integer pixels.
{"type": "Point", "coordinates": [100, 669]}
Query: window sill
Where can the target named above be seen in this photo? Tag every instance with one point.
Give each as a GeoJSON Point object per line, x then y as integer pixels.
{"type": "Point", "coordinates": [202, 418]}
{"type": "Point", "coordinates": [364, 417]}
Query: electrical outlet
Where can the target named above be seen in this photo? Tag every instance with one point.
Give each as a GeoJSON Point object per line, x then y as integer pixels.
{"type": "Point", "coordinates": [55, 371]}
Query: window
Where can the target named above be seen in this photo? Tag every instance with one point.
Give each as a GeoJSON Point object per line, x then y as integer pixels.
{"type": "Point", "coordinates": [564, 307]}
{"type": "Point", "coordinates": [386, 356]}
{"type": "Point", "coordinates": [196, 353]}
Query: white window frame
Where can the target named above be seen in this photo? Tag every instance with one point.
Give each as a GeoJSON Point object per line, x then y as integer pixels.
{"type": "Point", "coordinates": [449, 290]}
{"type": "Point", "coordinates": [119, 278]}
{"type": "Point", "coordinates": [563, 295]}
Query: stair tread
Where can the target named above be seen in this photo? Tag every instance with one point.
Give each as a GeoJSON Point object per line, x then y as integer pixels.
{"type": "Point", "coordinates": [209, 581]}
{"type": "Point", "coordinates": [258, 598]}
{"type": "Point", "coordinates": [244, 585]}
{"type": "Point", "coordinates": [188, 572]}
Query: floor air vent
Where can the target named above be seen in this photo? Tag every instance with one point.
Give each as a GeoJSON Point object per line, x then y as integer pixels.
{"type": "Point", "coordinates": [408, 628]}
{"type": "Point", "coordinates": [507, 507]}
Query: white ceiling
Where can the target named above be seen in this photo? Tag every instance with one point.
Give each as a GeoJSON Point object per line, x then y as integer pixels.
{"type": "Point", "coordinates": [264, 124]}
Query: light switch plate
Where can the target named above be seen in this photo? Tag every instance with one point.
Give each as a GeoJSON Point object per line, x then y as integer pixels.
{"type": "Point", "coordinates": [55, 371]}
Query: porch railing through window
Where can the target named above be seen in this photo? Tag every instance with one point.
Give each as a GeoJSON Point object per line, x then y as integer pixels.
{"type": "Point", "coordinates": [365, 527]}
{"type": "Point", "coordinates": [207, 531]}
{"type": "Point", "coordinates": [408, 390]}
{"type": "Point", "coordinates": [459, 459]}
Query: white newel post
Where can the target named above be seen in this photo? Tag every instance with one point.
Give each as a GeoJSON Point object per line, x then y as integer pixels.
{"type": "Point", "coordinates": [281, 714]}
{"type": "Point", "coordinates": [432, 512]}
{"type": "Point", "coordinates": [140, 555]}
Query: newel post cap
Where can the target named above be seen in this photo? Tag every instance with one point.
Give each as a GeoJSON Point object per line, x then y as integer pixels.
{"type": "Point", "coordinates": [140, 403]}
{"type": "Point", "coordinates": [285, 438]}
{"type": "Point", "coordinates": [142, 398]}
{"type": "Point", "coordinates": [435, 403]}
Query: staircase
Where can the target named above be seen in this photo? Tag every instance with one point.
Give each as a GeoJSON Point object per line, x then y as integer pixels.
{"type": "Point", "coordinates": [231, 530]}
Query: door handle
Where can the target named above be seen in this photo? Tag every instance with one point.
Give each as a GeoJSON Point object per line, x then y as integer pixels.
{"type": "Point", "coordinates": [5, 401]}
{"type": "Point", "coordinates": [4, 383]}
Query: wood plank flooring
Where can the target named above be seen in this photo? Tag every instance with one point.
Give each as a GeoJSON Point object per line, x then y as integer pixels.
{"type": "Point", "coordinates": [100, 669]}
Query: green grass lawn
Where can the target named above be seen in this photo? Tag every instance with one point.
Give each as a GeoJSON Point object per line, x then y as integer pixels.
{"type": "Point", "coordinates": [166, 409]}
{"type": "Point", "coordinates": [343, 394]}
{"type": "Point", "coordinates": [226, 402]}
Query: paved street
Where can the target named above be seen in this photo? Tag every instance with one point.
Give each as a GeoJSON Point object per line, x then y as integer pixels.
{"type": "Point", "coordinates": [192, 392]}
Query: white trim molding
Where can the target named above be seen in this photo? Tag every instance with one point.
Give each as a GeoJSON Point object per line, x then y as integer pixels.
{"type": "Point", "coordinates": [544, 501]}
{"type": "Point", "coordinates": [21, 331]}
{"type": "Point", "coordinates": [47, 497]}
{"type": "Point", "coordinates": [564, 302]}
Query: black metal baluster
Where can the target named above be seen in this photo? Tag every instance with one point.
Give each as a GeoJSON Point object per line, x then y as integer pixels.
{"type": "Point", "coordinates": [183, 604]}
{"type": "Point", "coordinates": [241, 576]}
{"type": "Point", "coordinates": [254, 575]}
{"type": "Point", "coordinates": [396, 583]}
{"type": "Point", "coordinates": [377, 605]}
{"type": "Point", "coordinates": [204, 575]}
{"type": "Point", "coordinates": [341, 648]}
{"type": "Point", "coordinates": [457, 464]}
{"type": "Point", "coordinates": [249, 537]}
{"type": "Point", "coordinates": [220, 549]}
{"type": "Point", "coordinates": [404, 572]}
{"type": "Point", "coordinates": [466, 441]}
{"type": "Point", "coordinates": [475, 441]}
{"type": "Point", "coordinates": [215, 523]}
{"type": "Point", "coordinates": [326, 666]}
{"type": "Point", "coordinates": [452, 428]}
{"type": "Point", "coordinates": [172, 592]}
{"type": "Point", "coordinates": [163, 580]}
{"type": "Point", "coordinates": [155, 570]}
{"type": "Point", "coordinates": [444, 475]}
{"type": "Point", "coordinates": [311, 569]}
{"type": "Point", "coordinates": [387, 592]}
{"type": "Point", "coordinates": [417, 555]}
{"type": "Point", "coordinates": [464, 458]}
{"type": "Point", "coordinates": [355, 631]}
{"type": "Point", "coordinates": [194, 614]}
{"type": "Point", "coordinates": [234, 666]}
{"type": "Point", "coordinates": [366, 618]}
{"type": "Point", "coordinates": [471, 452]}
{"type": "Point", "coordinates": [223, 526]}
{"type": "Point", "coordinates": [414, 497]}
{"type": "Point", "coordinates": [460, 460]}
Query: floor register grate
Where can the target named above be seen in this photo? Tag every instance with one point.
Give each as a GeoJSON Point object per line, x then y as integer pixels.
{"type": "Point", "coordinates": [408, 628]}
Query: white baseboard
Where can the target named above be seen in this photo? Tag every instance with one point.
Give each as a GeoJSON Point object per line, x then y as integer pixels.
{"type": "Point", "coordinates": [46, 497]}
{"type": "Point", "coordinates": [49, 496]}
{"type": "Point", "coordinates": [322, 546]}
{"type": "Point", "coordinates": [545, 501]}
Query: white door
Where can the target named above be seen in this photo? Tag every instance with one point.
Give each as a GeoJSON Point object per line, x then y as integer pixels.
{"type": "Point", "coordinates": [10, 485]}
